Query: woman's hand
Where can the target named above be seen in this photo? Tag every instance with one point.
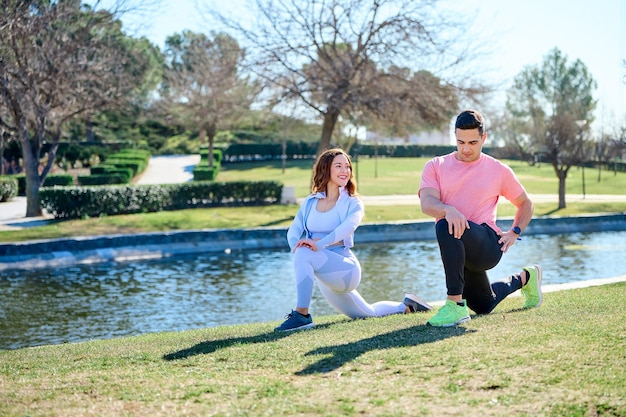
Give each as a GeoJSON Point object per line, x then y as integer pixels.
{"type": "Point", "coordinates": [307, 243]}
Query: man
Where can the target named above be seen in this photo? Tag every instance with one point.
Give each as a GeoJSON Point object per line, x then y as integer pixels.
{"type": "Point", "coordinates": [461, 191]}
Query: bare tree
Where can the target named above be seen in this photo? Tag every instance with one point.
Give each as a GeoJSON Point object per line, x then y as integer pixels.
{"type": "Point", "coordinates": [379, 59]}
{"type": "Point", "coordinates": [554, 104]}
{"type": "Point", "coordinates": [59, 61]}
{"type": "Point", "coordinates": [202, 87]}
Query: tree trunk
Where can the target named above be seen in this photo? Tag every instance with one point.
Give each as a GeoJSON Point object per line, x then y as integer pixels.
{"type": "Point", "coordinates": [210, 155]}
{"type": "Point", "coordinates": [211, 132]}
{"type": "Point", "coordinates": [89, 131]}
{"type": "Point", "coordinates": [330, 120]}
{"type": "Point", "coordinates": [31, 169]}
{"type": "Point", "coordinates": [52, 154]}
{"type": "Point", "coordinates": [562, 175]}
{"type": "Point", "coordinates": [1, 152]}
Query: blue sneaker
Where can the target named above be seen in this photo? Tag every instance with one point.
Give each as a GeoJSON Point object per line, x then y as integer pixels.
{"type": "Point", "coordinates": [295, 321]}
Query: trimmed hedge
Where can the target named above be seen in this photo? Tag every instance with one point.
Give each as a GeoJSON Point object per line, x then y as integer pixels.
{"type": "Point", "coordinates": [96, 201]}
{"type": "Point", "coordinates": [204, 172]}
{"type": "Point", "coordinates": [8, 188]}
{"type": "Point", "coordinates": [218, 156]}
{"type": "Point", "coordinates": [58, 179]}
{"type": "Point", "coordinates": [103, 179]}
{"type": "Point", "coordinates": [51, 181]}
{"type": "Point", "coordinates": [119, 168]}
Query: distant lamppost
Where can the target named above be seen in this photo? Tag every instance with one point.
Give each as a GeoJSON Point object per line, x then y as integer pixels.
{"type": "Point", "coordinates": [581, 125]}
{"type": "Point", "coordinates": [376, 159]}
{"type": "Point", "coordinates": [283, 156]}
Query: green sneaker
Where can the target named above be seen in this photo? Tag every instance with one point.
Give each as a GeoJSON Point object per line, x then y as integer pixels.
{"type": "Point", "coordinates": [532, 289]}
{"type": "Point", "coordinates": [450, 314]}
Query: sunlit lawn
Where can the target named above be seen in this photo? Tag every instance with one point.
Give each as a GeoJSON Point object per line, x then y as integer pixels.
{"type": "Point", "coordinates": [388, 176]}
{"type": "Point", "coordinates": [565, 358]}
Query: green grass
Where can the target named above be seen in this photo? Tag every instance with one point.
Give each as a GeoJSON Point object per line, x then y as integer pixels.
{"type": "Point", "coordinates": [375, 177]}
{"type": "Point", "coordinates": [388, 176]}
{"type": "Point", "coordinates": [565, 358]}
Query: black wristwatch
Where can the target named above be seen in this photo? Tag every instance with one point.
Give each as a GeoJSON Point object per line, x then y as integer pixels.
{"type": "Point", "coordinates": [517, 230]}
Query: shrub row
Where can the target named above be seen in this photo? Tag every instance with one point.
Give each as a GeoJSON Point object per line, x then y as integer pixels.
{"type": "Point", "coordinates": [303, 150]}
{"type": "Point", "coordinates": [8, 188]}
{"type": "Point", "coordinates": [204, 172]}
{"type": "Point", "coordinates": [51, 181]}
{"type": "Point", "coordinates": [119, 168]}
{"type": "Point", "coordinates": [84, 202]}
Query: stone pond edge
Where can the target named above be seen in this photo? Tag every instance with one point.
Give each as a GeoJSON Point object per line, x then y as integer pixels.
{"type": "Point", "coordinates": [144, 246]}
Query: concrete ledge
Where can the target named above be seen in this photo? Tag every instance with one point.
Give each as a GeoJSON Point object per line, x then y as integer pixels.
{"type": "Point", "coordinates": [119, 248]}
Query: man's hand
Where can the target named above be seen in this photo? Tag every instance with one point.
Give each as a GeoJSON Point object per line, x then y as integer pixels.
{"type": "Point", "coordinates": [457, 223]}
{"type": "Point", "coordinates": [507, 239]}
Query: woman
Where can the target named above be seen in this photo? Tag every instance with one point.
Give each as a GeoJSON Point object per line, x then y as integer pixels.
{"type": "Point", "coordinates": [321, 237]}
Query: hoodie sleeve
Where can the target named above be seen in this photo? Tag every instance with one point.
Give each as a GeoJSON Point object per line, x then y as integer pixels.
{"type": "Point", "coordinates": [295, 231]}
{"type": "Point", "coordinates": [353, 217]}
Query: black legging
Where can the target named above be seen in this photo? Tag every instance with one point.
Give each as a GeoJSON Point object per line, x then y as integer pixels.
{"type": "Point", "coordinates": [465, 261]}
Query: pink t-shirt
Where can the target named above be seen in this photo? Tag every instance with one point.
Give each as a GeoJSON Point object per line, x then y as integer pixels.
{"type": "Point", "coordinates": [473, 188]}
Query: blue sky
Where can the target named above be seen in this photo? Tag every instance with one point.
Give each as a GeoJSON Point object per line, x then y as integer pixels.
{"type": "Point", "coordinates": [594, 32]}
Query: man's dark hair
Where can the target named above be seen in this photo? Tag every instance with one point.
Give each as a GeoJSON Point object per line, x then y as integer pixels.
{"type": "Point", "coordinates": [470, 119]}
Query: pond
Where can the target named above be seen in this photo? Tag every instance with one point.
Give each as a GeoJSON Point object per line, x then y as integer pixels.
{"type": "Point", "coordinates": [51, 306]}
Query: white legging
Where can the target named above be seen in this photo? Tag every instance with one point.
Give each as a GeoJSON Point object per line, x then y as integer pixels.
{"type": "Point", "coordinates": [338, 274]}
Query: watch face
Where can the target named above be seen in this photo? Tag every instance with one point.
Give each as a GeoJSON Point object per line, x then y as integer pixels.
{"type": "Point", "coordinates": [517, 230]}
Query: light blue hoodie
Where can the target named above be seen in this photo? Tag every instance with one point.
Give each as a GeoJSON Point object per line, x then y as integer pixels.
{"type": "Point", "coordinates": [351, 212]}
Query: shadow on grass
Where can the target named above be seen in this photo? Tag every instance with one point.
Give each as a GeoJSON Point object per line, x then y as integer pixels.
{"type": "Point", "coordinates": [412, 336]}
{"type": "Point", "coordinates": [278, 222]}
{"type": "Point", "coordinates": [551, 212]}
{"type": "Point", "coordinates": [211, 346]}
{"type": "Point", "coordinates": [339, 354]}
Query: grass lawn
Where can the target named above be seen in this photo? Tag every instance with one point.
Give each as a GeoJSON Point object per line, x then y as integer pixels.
{"type": "Point", "coordinates": [565, 358]}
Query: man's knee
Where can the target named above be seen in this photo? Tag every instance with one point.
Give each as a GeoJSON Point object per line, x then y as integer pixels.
{"type": "Point", "coordinates": [441, 230]}
{"type": "Point", "coordinates": [484, 305]}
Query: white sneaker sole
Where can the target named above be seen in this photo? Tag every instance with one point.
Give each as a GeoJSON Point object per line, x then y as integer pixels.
{"type": "Point", "coordinates": [459, 321]}
{"type": "Point", "coordinates": [539, 278]}
{"type": "Point", "coordinates": [421, 303]}
{"type": "Point", "coordinates": [303, 327]}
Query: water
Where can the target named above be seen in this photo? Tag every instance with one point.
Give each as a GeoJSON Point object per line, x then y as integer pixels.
{"type": "Point", "coordinates": [72, 304]}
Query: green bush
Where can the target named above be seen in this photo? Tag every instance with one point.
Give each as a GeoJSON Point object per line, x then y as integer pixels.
{"type": "Point", "coordinates": [60, 179]}
{"type": "Point", "coordinates": [127, 173]}
{"type": "Point", "coordinates": [218, 156]}
{"type": "Point", "coordinates": [136, 165]}
{"type": "Point", "coordinates": [83, 202]}
{"type": "Point", "coordinates": [95, 201]}
{"type": "Point", "coordinates": [198, 194]}
{"type": "Point", "coordinates": [103, 179]}
{"type": "Point", "coordinates": [203, 173]}
{"type": "Point", "coordinates": [120, 168]}
{"type": "Point", "coordinates": [8, 188]}
{"type": "Point", "coordinates": [51, 180]}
